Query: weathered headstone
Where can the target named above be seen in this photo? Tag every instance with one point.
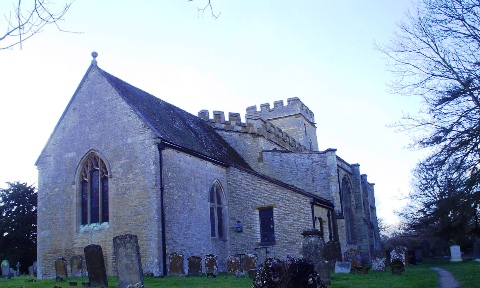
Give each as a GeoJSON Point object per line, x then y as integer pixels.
{"type": "Point", "coordinates": [211, 267]}
{"type": "Point", "coordinates": [476, 250]}
{"type": "Point", "coordinates": [34, 268]}
{"type": "Point", "coordinates": [332, 253]}
{"type": "Point", "coordinates": [343, 267]}
{"type": "Point", "coordinates": [455, 254]}
{"type": "Point", "coordinates": [127, 258]}
{"type": "Point", "coordinates": [378, 264]}
{"type": "Point", "coordinates": [397, 266]}
{"type": "Point", "coordinates": [440, 248]}
{"type": "Point", "coordinates": [249, 262]}
{"type": "Point", "coordinates": [76, 266]}
{"type": "Point", "coordinates": [194, 266]}
{"type": "Point", "coordinates": [61, 271]}
{"type": "Point", "coordinates": [399, 253]}
{"type": "Point", "coordinates": [97, 274]}
{"type": "Point", "coordinates": [233, 264]}
{"type": "Point", "coordinates": [176, 262]}
{"type": "Point", "coordinates": [313, 247]}
{"type": "Point", "coordinates": [6, 269]}
{"type": "Point", "coordinates": [30, 271]}
{"type": "Point", "coordinates": [418, 255]}
{"type": "Point", "coordinates": [18, 269]}
{"type": "Point", "coordinates": [354, 256]}
{"type": "Point", "coordinates": [425, 246]}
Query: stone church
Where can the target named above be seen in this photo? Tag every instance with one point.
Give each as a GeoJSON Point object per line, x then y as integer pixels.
{"type": "Point", "coordinates": [122, 161]}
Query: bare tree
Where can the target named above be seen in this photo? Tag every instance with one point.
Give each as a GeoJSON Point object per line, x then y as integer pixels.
{"type": "Point", "coordinates": [435, 55]}
{"type": "Point", "coordinates": [28, 18]}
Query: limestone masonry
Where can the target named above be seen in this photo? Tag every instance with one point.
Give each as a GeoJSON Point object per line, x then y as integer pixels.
{"type": "Point", "coordinates": [121, 161]}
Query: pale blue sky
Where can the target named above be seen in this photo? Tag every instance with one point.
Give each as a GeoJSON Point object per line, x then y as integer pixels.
{"type": "Point", "coordinates": [255, 52]}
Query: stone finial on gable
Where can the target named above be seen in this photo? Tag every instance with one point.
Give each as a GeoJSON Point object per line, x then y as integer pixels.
{"type": "Point", "coordinates": [94, 60]}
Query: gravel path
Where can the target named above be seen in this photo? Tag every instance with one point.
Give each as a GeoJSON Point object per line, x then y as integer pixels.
{"type": "Point", "coordinates": [446, 279]}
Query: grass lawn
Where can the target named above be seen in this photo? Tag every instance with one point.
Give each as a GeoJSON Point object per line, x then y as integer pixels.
{"type": "Point", "coordinates": [468, 273]}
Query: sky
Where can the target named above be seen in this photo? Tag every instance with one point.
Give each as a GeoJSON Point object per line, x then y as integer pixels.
{"type": "Point", "coordinates": [255, 52]}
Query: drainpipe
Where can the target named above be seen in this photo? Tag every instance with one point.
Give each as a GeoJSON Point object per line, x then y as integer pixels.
{"type": "Point", "coordinates": [161, 147]}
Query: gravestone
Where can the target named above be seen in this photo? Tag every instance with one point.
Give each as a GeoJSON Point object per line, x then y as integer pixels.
{"type": "Point", "coordinates": [343, 267]}
{"type": "Point", "coordinates": [6, 269]}
{"type": "Point", "coordinates": [76, 266]}
{"type": "Point", "coordinates": [17, 273]}
{"type": "Point", "coordinates": [476, 250]}
{"type": "Point", "coordinates": [332, 253]}
{"type": "Point", "coordinates": [313, 248]}
{"type": "Point", "coordinates": [34, 268]}
{"type": "Point", "coordinates": [211, 267]}
{"type": "Point", "coordinates": [194, 266]}
{"type": "Point", "coordinates": [97, 274]}
{"type": "Point", "coordinates": [411, 257]}
{"type": "Point", "coordinates": [418, 255]}
{"type": "Point", "coordinates": [425, 246]}
{"type": "Point", "coordinates": [127, 258]}
{"type": "Point", "coordinates": [397, 266]}
{"type": "Point", "coordinates": [233, 264]}
{"type": "Point", "coordinates": [175, 267]}
{"type": "Point", "coordinates": [30, 271]}
{"type": "Point", "coordinates": [249, 262]}
{"type": "Point", "coordinates": [455, 254]}
{"type": "Point", "coordinates": [378, 264]}
{"type": "Point", "coordinates": [61, 271]}
{"type": "Point", "coordinates": [440, 248]}
{"type": "Point", "coordinates": [400, 253]}
{"type": "Point", "coordinates": [354, 256]}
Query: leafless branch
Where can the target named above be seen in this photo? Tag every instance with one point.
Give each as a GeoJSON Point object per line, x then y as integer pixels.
{"type": "Point", "coordinates": [24, 22]}
{"type": "Point", "coordinates": [208, 6]}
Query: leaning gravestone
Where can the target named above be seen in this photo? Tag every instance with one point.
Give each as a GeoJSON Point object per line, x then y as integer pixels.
{"type": "Point", "coordinates": [313, 248]}
{"type": "Point", "coordinates": [476, 250]}
{"type": "Point", "coordinates": [76, 266]}
{"type": "Point", "coordinates": [194, 266]}
{"type": "Point", "coordinates": [175, 267]}
{"type": "Point", "coordinates": [129, 263]}
{"type": "Point", "coordinates": [211, 267]}
{"type": "Point", "coordinates": [97, 274]}
{"type": "Point", "coordinates": [6, 269]}
{"type": "Point", "coordinates": [61, 272]}
{"type": "Point", "coordinates": [343, 267]}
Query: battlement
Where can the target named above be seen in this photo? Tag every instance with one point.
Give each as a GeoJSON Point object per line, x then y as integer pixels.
{"type": "Point", "coordinates": [254, 125]}
{"type": "Point", "coordinates": [294, 106]}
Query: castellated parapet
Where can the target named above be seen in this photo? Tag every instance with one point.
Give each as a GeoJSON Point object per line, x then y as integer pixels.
{"type": "Point", "coordinates": [294, 107]}
{"type": "Point", "coordinates": [253, 125]}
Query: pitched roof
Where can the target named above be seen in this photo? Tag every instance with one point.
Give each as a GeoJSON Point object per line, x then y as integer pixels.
{"type": "Point", "coordinates": [176, 126]}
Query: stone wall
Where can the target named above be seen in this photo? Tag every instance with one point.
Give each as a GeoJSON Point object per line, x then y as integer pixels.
{"type": "Point", "coordinates": [97, 119]}
{"type": "Point", "coordinates": [187, 182]}
{"type": "Point", "coordinates": [292, 214]}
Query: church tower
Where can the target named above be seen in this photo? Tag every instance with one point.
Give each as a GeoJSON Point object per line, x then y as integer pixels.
{"type": "Point", "coordinates": [295, 119]}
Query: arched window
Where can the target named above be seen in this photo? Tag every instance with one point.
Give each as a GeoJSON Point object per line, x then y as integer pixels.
{"type": "Point", "coordinates": [217, 206]}
{"type": "Point", "coordinates": [348, 212]}
{"type": "Point", "coordinates": [94, 190]}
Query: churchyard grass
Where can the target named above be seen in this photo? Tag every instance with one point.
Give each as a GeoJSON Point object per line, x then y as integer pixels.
{"type": "Point", "coordinates": [418, 276]}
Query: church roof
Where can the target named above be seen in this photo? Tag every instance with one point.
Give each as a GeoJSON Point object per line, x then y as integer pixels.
{"type": "Point", "coordinates": [175, 126]}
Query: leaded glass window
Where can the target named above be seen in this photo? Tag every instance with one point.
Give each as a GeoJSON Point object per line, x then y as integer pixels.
{"type": "Point", "coordinates": [94, 190]}
{"type": "Point", "coordinates": [216, 211]}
